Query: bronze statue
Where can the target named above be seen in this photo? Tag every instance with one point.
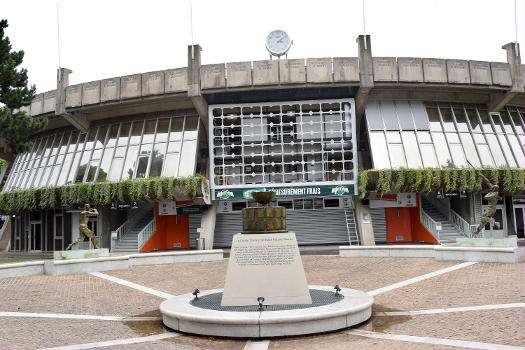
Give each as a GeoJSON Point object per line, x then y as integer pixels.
{"type": "Point", "coordinates": [83, 227]}
{"type": "Point", "coordinates": [492, 197]}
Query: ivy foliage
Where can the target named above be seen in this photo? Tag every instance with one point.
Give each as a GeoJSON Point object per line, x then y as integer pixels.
{"type": "Point", "coordinates": [510, 180]}
{"type": "Point", "coordinates": [103, 193]}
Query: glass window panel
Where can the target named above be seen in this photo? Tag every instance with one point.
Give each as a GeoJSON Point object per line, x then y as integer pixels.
{"type": "Point", "coordinates": [452, 137]}
{"type": "Point", "coordinates": [461, 119]}
{"type": "Point", "coordinates": [188, 158]}
{"type": "Point", "coordinates": [507, 123]}
{"type": "Point", "coordinates": [457, 155]}
{"type": "Point", "coordinates": [506, 150]}
{"type": "Point", "coordinates": [404, 115]}
{"type": "Point", "coordinates": [191, 123]}
{"type": "Point", "coordinates": [174, 146]}
{"type": "Point", "coordinates": [49, 143]}
{"type": "Point", "coordinates": [93, 166]}
{"type": "Point", "coordinates": [484, 153]}
{"type": "Point", "coordinates": [424, 137]}
{"type": "Point", "coordinates": [176, 128]}
{"type": "Point", "coordinates": [120, 152]}
{"type": "Point", "coordinates": [149, 131]}
{"type": "Point", "coordinates": [82, 168]}
{"type": "Point", "coordinates": [112, 137]}
{"type": "Point", "coordinates": [419, 113]}
{"type": "Point", "coordinates": [116, 168]}
{"type": "Point", "coordinates": [516, 148]}
{"type": "Point", "coordinates": [252, 129]}
{"type": "Point", "coordinates": [156, 160]}
{"type": "Point", "coordinates": [428, 155]}
{"type": "Point", "coordinates": [333, 127]}
{"type": "Point", "coordinates": [90, 139]}
{"type": "Point", "coordinates": [63, 145]}
{"type": "Point", "coordinates": [171, 165]}
{"type": "Point", "coordinates": [162, 130]}
{"type": "Point", "coordinates": [101, 137]}
{"type": "Point", "coordinates": [474, 121]}
{"type": "Point", "coordinates": [124, 134]}
{"type": "Point", "coordinates": [485, 122]}
{"type": "Point", "coordinates": [448, 123]}
{"type": "Point", "coordinates": [379, 150]}
{"type": "Point", "coordinates": [393, 137]}
{"type": "Point", "coordinates": [397, 156]}
{"type": "Point", "coordinates": [433, 118]}
{"type": "Point", "coordinates": [136, 133]}
{"type": "Point", "coordinates": [45, 177]}
{"type": "Point", "coordinates": [73, 142]}
{"type": "Point", "coordinates": [442, 149]}
{"type": "Point", "coordinates": [470, 149]}
{"type": "Point", "coordinates": [495, 148]}
{"type": "Point", "coordinates": [105, 164]}
{"type": "Point", "coordinates": [129, 165]}
{"type": "Point", "coordinates": [412, 150]}
{"type": "Point", "coordinates": [71, 176]}
{"type": "Point", "coordinates": [96, 154]}
{"type": "Point", "coordinates": [310, 128]}
{"type": "Point", "coordinates": [65, 169]}
{"type": "Point", "coordinates": [146, 149]}
{"type": "Point", "coordinates": [518, 123]}
{"type": "Point", "coordinates": [497, 123]}
{"type": "Point", "coordinates": [142, 167]}
{"type": "Point", "coordinates": [373, 116]}
{"type": "Point", "coordinates": [389, 115]}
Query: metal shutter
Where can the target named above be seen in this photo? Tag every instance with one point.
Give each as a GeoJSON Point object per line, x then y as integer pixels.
{"type": "Point", "coordinates": [311, 227]}
{"type": "Point", "coordinates": [379, 224]}
{"type": "Point", "coordinates": [194, 222]}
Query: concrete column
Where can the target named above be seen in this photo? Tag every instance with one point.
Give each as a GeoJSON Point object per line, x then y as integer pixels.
{"type": "Point", "coordinates": [78, 121]}
{"type": "Point", "coordinates": [75, 222]}
{"type": "Point", "coordinates": [498, 101]}
{"type": "Point", "coordinates": [208, 220]}
{"type": "Point", "coordinates": [366, 231]}
{"type": "Point", "coordinates": [366, 77]}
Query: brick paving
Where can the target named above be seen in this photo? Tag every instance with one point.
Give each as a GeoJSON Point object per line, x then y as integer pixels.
{"type": "Point", "coordinates": [479, 284]}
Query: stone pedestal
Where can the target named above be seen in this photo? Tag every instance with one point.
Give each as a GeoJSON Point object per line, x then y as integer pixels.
{"type": "Point", "coordinates": [268, 266]}
{"type": "Point", "coordinates": [81, 254]}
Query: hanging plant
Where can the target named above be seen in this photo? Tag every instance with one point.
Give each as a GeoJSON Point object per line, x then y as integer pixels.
{"type": "Point", "coordinates": [363, 181]}
{"type": "Point", "coordinates": [400, 180]}
{"type": "Point", "coordinates": [427, 180]}
{"type": "Point", "coordinates": [507, 181]}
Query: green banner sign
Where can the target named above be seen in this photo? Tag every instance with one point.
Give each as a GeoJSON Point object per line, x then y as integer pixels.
{"type": "Point", "coordinates": [286, 192]}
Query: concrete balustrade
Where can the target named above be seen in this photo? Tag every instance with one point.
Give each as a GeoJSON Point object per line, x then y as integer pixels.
{"type": "Point", "coordinates": [246, 75]}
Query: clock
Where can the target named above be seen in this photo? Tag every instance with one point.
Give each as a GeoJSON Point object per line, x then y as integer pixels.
{"type": "Point", "coordinates": [278, 42]}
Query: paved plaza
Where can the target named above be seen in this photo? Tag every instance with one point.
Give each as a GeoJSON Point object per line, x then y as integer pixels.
{"type": "Point", "coordinates": [419, 303]}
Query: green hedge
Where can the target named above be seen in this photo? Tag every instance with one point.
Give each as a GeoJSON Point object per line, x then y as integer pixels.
{"type": "Point", "coordinates": [101, 193]}
{"type": "Point", "coordinates": [510, 180]}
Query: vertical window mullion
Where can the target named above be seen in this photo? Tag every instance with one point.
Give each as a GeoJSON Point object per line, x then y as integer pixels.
{"type": "Point", "coordinates": [102, 153]}
{"type": "Point", "coordinates": [86, 172]}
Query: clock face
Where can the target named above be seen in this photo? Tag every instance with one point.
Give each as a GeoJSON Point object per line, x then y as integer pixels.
{"type": "Point", "coordinates": [278, 42]}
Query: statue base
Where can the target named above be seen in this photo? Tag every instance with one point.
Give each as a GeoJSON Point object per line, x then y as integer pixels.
{"type": "Point", "coordinates": [81, 254]}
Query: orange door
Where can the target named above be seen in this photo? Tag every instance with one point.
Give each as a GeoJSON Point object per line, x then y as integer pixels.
{"type": "Point", "coordinates": [172, 232]}
{"type": "Point", "coordinates": [398, 228]}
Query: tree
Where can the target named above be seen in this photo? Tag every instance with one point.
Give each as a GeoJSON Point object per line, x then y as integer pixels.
{"type": "Point", "coordinates": [16, 126]}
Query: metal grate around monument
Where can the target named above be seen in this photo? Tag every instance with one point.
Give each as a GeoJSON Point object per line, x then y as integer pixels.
{"type": "Point", "coordinates": [319, 298]}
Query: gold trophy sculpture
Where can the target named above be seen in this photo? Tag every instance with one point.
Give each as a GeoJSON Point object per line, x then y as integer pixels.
{"type": "Point", "coordinates": [83, 228]}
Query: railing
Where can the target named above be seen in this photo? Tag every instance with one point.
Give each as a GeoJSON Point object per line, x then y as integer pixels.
{"type": "Point", "coordinates": [461, 224]}
{"type": "Point", "coordinates": [429, 224]}
{"type": "Point", "coordinates": [123, 229]}
{"type": "Point", "coordinates": [146, 233]}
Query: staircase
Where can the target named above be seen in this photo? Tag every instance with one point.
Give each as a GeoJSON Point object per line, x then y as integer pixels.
{"type": "Point", "coordinates": [351, 227]}
{"type": "Point", "coordinates": [129, 242]}
{"type": "Point", "coordinates": [448, 233]}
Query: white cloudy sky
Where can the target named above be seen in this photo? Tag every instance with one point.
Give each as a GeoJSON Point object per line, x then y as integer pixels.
{"type": "Point", "coordinates": [106, 38]}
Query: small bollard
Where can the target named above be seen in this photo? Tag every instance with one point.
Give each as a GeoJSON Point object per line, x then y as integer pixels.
{"type": "Point", "coordinates": [196, 293]}
{"type": "Point", "coordinates": [260, 300]}
{"type": "Point", "coordinates": [337, 289]}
